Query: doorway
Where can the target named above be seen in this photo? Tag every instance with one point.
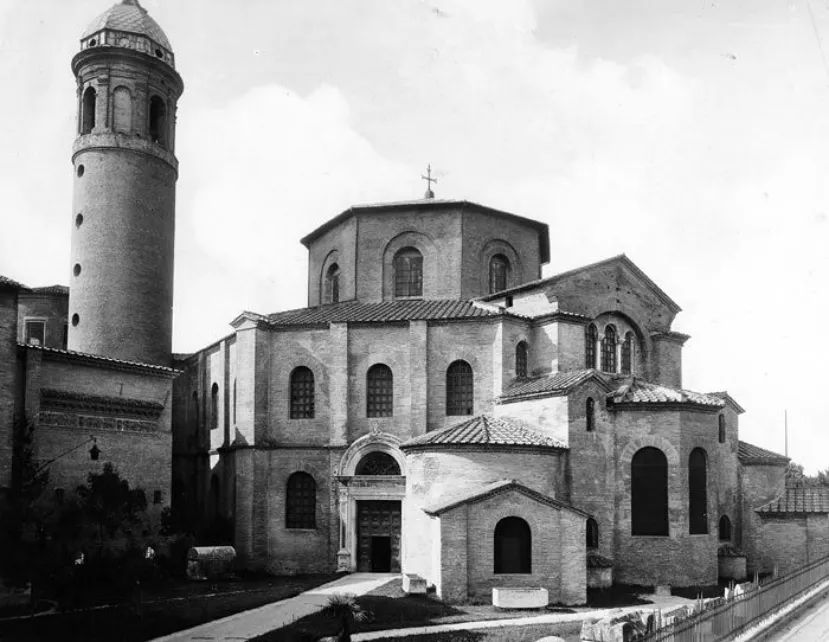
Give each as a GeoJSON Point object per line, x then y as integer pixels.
{"type": "Point", "coordinates": [378, 536]}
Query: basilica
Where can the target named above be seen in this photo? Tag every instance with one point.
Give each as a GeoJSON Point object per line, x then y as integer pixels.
{"type": "Point", "coordinates": [440, 409]}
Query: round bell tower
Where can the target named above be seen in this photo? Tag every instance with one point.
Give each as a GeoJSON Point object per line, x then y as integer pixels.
{"type": "Point", "coordinates": [125, 172]}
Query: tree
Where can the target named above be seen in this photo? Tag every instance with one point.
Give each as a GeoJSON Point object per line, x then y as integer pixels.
{"type": "Point", "coordinates": [345, 608]}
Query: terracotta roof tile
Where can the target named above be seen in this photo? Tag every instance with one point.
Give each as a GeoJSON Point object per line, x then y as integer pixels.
{"type": "Point", "coordinates": [51, 289]}
{"type": "Point", "coordinates": [384, 312]}
{"type": "Point", "coordinates": [486, 430]}
{"type": "Point", "coordinates": [751, 454]}
{"type": "Point", "coordinates": [494, 488]}
{"type": "Point", "coordinates": [10, 284]}
{"type": "Point", "coordinates": [553, 383]}
{"type": "Point", "coordinates": [637, 391]}
{"type": "Point", "coordinates": [799, 500]}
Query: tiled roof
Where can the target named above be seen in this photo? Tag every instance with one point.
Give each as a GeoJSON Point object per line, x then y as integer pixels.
{"type": "Point", "coordinates": [638, 391]}
{"type": "Point", "coordinates": [723, 394]}
{"type": "Point", "coordinates": [384, 312]}
{"type": "Point", "coordinates": [799, 500]}
{"type": "Point", "coordinates": [549, 384]}
{"type": "Point", "coordinates": [10, 284]}
{"type": "Point", "coordinates": [485, 430]}
{"type": "Point", "coordinates": [131, 17]}
{"type": "Point", "coordinates": [51, 289]}
{"type": "Point", "coordinates": [751, 454]}
{"type": "Point", "coordinates": [494, 488]}
{"type": "Point", "coordinates": [121, 363]}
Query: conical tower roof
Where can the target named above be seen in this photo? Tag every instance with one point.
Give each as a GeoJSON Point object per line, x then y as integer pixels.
{"type": "Point", "coordinates": [129, 16]}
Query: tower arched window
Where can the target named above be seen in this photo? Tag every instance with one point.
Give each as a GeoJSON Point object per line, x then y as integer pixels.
{"type": "Point", "coordinates": [158, 121]}
{"type": "Point", "coordinates": [459, 389]}
{"type": "Point", "coordinates": [725, 529]}
{"type": "Point", "coordinates": [592, 533]}
{"type": "Point", "coordinates": [627, 354]}
{"type": "Point", "coordinates": [332, 284]}
{"type": "Point", "coordinates": [513, 546]}
{"type": "Point", "coordinates": [590, 414]}
{"type": "Point", "coordinates": [408, 273]}
{"type": "Point", "coordinates": [301, 501]}
{"type": "Point", "coordinates": [697, 492]}
{"type": "Point", "coordinates": [378, 463]}
{"type": "Point", "coordinates": [498, 273]}
{"type": "Point", "coordinates": [214, 406]}
{"type": "Point", "coordinates": [90, 97]}
{"type": "Point", "coordinates": [302, 393]}
{"type": "Point", "coordinates": [649, 492]}
{"type": "Point", "coordinates": [609, 349]}
{"type": "Point", "coordinates": [379, 391]}
{"type": "Point", "coordinates": [521, 358]}
{"type": "Point", "coordinates": [122, 110]}
{"type": "Point", "coordinates": [721, 426]}
{"type": "Point", "coordinates": [591, 338]}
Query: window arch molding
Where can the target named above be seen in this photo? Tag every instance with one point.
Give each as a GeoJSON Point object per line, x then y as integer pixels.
{"type": "Point", "coordinates": [592, 533]}
{"type": "Point", "coordinates": [724, 529]}
{"type": "Point", "coordinates": [122, 109]}
{"type": "Point", "coordinates": [512, 546]}
{"type": "Point", "coordinates": [379, 390]}
{"type": "Point", "coordinates": [650, 493]}
{"type": "Point", "coordinates": [333, 258]}
{"type": "Point", "coordinates": [460, 389]}
{"type": "Point", "coordinates": [698, 492]}
{"type": "Point", "coordinates": [492, 248]}
{"type": "Point", "coordinates": [624, 322]}
{"type": "Point", "coordinates": [522, 359]}
{"type": "Point", "coordinates": [89, 106]}
{"type": "Point", "coordinates": [432, 287]}
{"type": "Point", "coordinates": [294, 373]}
{"type": "Point", "coordinates": [301, 500]}
{"type": "Point", "coordinates": [374, 441]}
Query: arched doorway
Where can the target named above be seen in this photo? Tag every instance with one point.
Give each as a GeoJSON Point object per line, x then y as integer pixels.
{"type": "Point", "coordinates": [378, 521]}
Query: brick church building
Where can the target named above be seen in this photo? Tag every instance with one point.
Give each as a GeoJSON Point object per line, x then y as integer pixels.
{"type": "Point", "coordinates": [438, 409]}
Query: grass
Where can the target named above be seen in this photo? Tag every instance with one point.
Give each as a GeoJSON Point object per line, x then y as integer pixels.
{"type": "Point", "coordinates": [165, 609]}
{"type": "Point", "coordinates": [569, 631]}
{"type": "Point", "coordinates": [393, 609]}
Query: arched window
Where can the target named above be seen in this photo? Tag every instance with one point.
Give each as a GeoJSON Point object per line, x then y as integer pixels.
{"type": "Point", "coordinates": [408, 273]}
{"type": "Point", "coordinates": [214, 406]}
{"type": "Point", "coordinates": [302, 393]}
{"type": "Point", "coordinates": [697, 493]}
{"type": "Point", "coordinates": [459, 389]}
{"type": "Point", "coordinates": [590, 414]}
{"type": "Point", "coordinates": [649, 492]}
{"type": "Point", "coordinates": [332, 284]}
{"type": "Point", "coordinates": [379, 391]}
{"type": "Point", "coordinates": [627, 354]}
{"type": "Point", "coordinates": [88, 112]}
{"type": "Point", "coordinates": [498, 273]}
{"type": "Point", "coordinates": [513, 546]}
{"type": "Point", "coordinates": [721, 422]}
{"type": "Point", "coordinates": [122, 110]}
{"type": "Point", "coordinates": [609, 349]}
{"type": "Point", "coordinates": [591, 338]}
{"type": "Point", "coordinates": [301, 501]}
{"type": "Point", "coordinates": [592, 533]}
{"type": "Point", "coordinates": [378, 463]}
{"type": "Point", "coordinates": [158, 121]}
{"type": "Point", "coordinates": [521, 360]}
{"type": "Point", "coordinates": [725, 529]}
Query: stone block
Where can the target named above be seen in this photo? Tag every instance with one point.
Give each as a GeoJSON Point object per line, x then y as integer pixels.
{"type": "Point", "coordinates": [520, 598]}
{"type": "Point", "coordinates": [414, 584]}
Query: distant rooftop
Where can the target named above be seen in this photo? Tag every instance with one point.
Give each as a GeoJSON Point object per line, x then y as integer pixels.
{"type": "Point", "coordinates": [751, 454]}
{"type": "Point", "coordinates": [798, 501]}
{"type": "Point", "coordinates": [485, 430]}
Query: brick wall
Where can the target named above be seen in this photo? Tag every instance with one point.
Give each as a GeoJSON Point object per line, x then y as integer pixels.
{"type": "Point", "coordinates": [10, 384]}
{"type": "Point", "coordinates": [759, 484]}
{"type": "Point", "coordinates": [342, 242]}
{"type": "Point", "coordinates": [50, 308]}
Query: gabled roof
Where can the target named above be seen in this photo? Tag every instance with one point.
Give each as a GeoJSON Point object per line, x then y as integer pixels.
{"type": "Point", "coordinates": [383, 312]}
{"type": "Point", "coordinates": [550, 385]}
{"type": "Point", "coordinates": [435, 204]}
{"type": "Point", "coordinates": [622, 259]}
{"type": "Point", "coordinates": [61, 290]}
{"type": "Point", "coordinates": [496, 488]}
{"type": "Point", "coordinates": [10, 284]}
{"type": "Point", "coordinates": [638, 391]}
{"type": "Point", "coordinates": [729, 400]}
{"type": "Point", "coordinates": [485, 430]}
{"type": "Point", "coordinates": [751, 454]}
{"type": "Point", "coordinates": [798, 500]}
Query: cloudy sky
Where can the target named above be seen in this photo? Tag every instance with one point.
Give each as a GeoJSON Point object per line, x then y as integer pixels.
{"type": "Point", "coordinates": [693, 135]}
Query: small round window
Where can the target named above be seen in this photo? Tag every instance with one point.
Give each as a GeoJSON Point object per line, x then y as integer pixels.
{"type": "Point", "coordinates": [159, 53]}
{"type": "Point", "coordinates": [79, 220]}
{"type": "Point", "coordinates": [75, 319]}
{"type": "Point", "coordinates": [93, 42]}
{"type": "Point", "coordinates": [77, 269]}
{"type": "Point", "coordinates": [80, 170]}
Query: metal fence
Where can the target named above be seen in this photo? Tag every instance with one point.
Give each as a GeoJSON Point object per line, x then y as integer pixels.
{"type": "Point", "coordinates": [723, 618]}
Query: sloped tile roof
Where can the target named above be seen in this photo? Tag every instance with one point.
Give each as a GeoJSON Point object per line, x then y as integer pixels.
{"type": "Point", "coordinates": [10, 284]}
{"type": "Point", "coordinates": [51, 289]}
{"type": "Point", "coordinates": [799, 500]}
{"type": "Point", "coordinates": [71, 355]}
{"type": "Point", "coordinates": [485, 430]}
{"type": "Point", "coordinates": [555, 382]}
{"type": "Point", "coordinates": [494, 488]}
{"type": "Point", "coordinates": [131, 17]}
{"type": "Point", "coordinates": [751, 454]}
{"type": "Point", "coordinates": [384, 312]}
{"type": "Point", "coordinates": [638, 391]}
